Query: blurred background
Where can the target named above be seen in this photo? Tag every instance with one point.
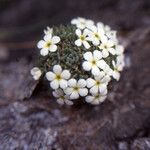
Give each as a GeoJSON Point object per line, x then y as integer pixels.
{"type": "Point", "coordinates": [31, 119]}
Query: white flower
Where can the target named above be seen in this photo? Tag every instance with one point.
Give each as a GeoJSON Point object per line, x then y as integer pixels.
{"type": "Point", "coordinates": [99, 85]}
{"type": "Point", "coordinates": [82, 23]}
{"type": "Point", "coordinates": [118, 67]}
{"type": "Point", "coordinates": [48, 31]}
{"type": "Point", "coordinates": [95, 99]}
{"type": "Point", "coordinates": [106, 28]}
{"type": "Point", "coordinates": [107, 70]}
{"type": "Point", "coordinates": [82, 38]}
{"type": "Point", "coordinates": [76, 89]}
{"type": "Point", "coordinates": [119, 49]}
{"type": "Point", "coordinates": [93, 62]}
{"type": "Point", "coordinates": [61, 97]}
{"type": "Point", "coordinates": [58, 77]}
{"type": "Point", "coordinates": [48, 44]}
{"type": "Point", "coordinates": [96, 34]}
{"type": "Point", "coordinates": [36, 73]}
{"type": "Point", "coordinates": [107, 47]}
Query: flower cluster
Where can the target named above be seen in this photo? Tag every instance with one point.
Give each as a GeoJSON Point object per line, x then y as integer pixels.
{"type": "Point", "coordinates": [80, 60]}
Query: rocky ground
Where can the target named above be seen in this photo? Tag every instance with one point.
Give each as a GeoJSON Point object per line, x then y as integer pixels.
{"type": "Point", "coordinates": [29, 116]}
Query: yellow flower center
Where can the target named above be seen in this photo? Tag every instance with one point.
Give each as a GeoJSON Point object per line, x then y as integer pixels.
{"type": "Point", "coordinates": [48, 44]}
{"type": "Point", "coordinates": [76, 88]}
{"type": "Point", "coordinates": [105, 46]}
{"type": "Point", "coordinates": [62, 97]}
{"type": "Point", "coordinates": [96, 35]}
{"type": "Point", "coordinates": [82, 37]}
{"type": "Point", "coordinates": [58, 77]}
{"type": "Point", "coordinates": [97, 83]}
{"type": "Point", "coordinates": [93, 62]}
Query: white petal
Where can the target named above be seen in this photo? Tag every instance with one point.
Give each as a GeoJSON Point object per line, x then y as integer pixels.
{"type": "Point", "coordinates": [78, 42]}
{"type": "Point", "coordinates": [102, 98]}
{"type": "Point", "coordinates": [90, 82]}
{"type": "Point", "coordinates": [47, 37]}
{"type": "Point", "coordinates": [105, 53]}
{"type": "Point", "coordinates": [53, 48]}
{"type": "Point", "coordinates": [68, 91]}
{"type": "Point", "coordinates": [65, 74]}
{"type": "Point", "coordinates": [88, 56]}
{"type": "Point", "coordinates": [55, 94]}
{"type": "Point", "coordinates": [97, 55]}
{"type": "Point", "coordinates": [81, 83]}
{"type": "Point", "coordinates": [54, 84]}
{"type": "Point", "coordinates": [72, 83]}
{"type": "Point", "coordinates": [101, 64]}
{"type": "Point", "coordinates": [112, 51]}
{"type": "Point", "coordinates": [78, 32]}
{"type": "Point", "coordinates": [102, 88]}
{"type": "Point", "coordinates": [104, 39]}
{"type": "Point", "coordinates": [89, 99]}
{"type": "Point", "coordinates": [55, 39]}
{"type": "Point", "coordinates": [86, 44]}
{"type": "Point", "coordinates": [68, 102]}
{"type": "Point", "coordinates": [60, 101]}
{"type": "Point", "coordinates": [106, 79]}
{"type": "Point", "coordinates": [83, 91]}
{"type": "Point", "coordinates": [41, 44]}
{"type": "Point", "coordinates": [57, 69]}
{"type": "Point", "coordinates": [44, 52]}
{"type": "Point", "coordinates": [95, 71]}
{"type": "Point", "coordinates": [96, 41]}
{"type": "Point", "coordinates": [94, 90]}
{"type": "Point", "coordinates": [50, 76]}
{"type": "Point", "coordinates": [116, 75]}
{"type": "Point", "coordinates": [63, 84]}
{"type": "Point", "coordinates": [87, 66]}
{"type": "Point", "coordinates": [74, 95]}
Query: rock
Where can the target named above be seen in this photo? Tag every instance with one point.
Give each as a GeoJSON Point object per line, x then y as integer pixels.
{"type": "Point", "coordinates": [122, 122]}
{"type": "Point", "coordinates": [16, 82]}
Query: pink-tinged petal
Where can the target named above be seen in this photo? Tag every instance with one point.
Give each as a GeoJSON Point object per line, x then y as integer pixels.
{"type": "Point", "coordinates": [68, 91]}
{"type": "Point", "coordinates": [60, 101]}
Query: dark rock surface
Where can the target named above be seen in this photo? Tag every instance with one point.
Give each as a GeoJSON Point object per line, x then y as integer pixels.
{"type": "Point", "coordinates": [34, 121]}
